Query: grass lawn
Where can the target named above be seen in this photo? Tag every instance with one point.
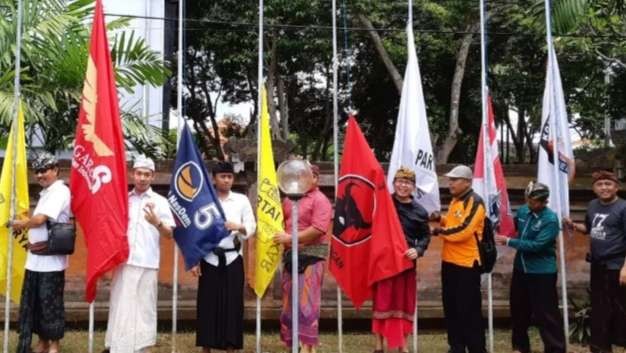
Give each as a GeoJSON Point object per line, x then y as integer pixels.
{"type": "Point", "coordinates": [360, 342]}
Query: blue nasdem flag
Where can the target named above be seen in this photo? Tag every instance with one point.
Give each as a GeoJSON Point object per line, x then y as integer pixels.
{"type": "Point", "coordinates": [199, 215]}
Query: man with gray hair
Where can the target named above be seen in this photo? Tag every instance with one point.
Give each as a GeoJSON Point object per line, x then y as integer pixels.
{"type": "Point", "coordinates": [132, 324]}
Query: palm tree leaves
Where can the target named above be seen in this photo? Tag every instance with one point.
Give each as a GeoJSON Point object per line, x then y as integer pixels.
{"type": "Point", "coordinates": [54, 54]}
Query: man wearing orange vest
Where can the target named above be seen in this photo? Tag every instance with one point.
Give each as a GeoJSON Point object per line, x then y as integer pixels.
{"type": "Point", "coordinates": [461, 229]}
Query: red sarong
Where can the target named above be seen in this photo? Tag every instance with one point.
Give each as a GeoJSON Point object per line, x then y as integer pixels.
{"type": "Point", "coordinates": [394, 308]}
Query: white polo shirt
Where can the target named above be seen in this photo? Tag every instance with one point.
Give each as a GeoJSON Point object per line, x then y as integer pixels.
{"type": "Point", "coordinates": [54, 202]}
{"type": "Point", "coordinates": [143, 237]}
{"type": "Point", "coordinates": [237, 209]}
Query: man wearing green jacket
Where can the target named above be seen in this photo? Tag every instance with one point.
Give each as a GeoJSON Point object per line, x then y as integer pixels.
{"type": "Point", "coordinates": [533, 286]}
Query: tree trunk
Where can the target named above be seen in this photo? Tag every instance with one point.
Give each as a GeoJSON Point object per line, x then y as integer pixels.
{"type": "Point", "coordinates": [382, 52]}
{"type": "Point", "coordinates": [455, 96]}
{"type": "Point", "coordinates": [271, 84]}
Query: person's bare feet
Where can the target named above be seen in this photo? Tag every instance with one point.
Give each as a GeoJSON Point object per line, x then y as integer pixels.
{"type": "Point", "coordinates": [41, 347]}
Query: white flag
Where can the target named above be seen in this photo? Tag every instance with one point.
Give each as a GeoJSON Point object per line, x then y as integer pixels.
{"type": "Point", "coordinates": [555, 128]}
{"type": "Point", "coordinates": [411, 146]}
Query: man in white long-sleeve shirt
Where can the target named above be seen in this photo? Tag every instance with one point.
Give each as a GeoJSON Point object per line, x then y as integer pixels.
{"type": "Point", "coordinates": [220, 285]}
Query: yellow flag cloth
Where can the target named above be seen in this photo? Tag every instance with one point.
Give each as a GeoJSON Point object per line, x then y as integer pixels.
{"type": "Point", "coordinates": [269, 209]}
{"type": "Point", "coordinates": [15, 156]}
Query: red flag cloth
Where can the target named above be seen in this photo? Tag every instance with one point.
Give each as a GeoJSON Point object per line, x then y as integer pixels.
{"type": "Point", "coordinates": [368, 243]}
{"type": "Point", "coordinates": [98, 178]}
{"type": "Point", "coordinates": [489, 180]}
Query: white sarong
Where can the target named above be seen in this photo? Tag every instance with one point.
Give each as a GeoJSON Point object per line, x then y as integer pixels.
{"type": "Point", "coordinates": [132, 324]}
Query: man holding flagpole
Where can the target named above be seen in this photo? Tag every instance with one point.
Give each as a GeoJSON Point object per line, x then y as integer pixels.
{"type": "Point", "coordinates": [219, 323]}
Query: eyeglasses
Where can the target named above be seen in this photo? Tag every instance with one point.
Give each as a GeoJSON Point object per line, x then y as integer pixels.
{"type": "Point", "coordinates": [42, 170]}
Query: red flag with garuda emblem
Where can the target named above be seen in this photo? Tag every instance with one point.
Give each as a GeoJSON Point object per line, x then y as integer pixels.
{"type": "Point", "coordinates": [368, 243]}
{"type": "Point", "coordinates": [98, 178]}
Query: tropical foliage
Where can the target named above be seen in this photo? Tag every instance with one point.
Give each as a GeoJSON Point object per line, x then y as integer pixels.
{"type": "Point", "coordinates": [54, 54]}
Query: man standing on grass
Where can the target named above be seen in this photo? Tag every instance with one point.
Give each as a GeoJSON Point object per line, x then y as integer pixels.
{"type": "Point", "coordinates": [219, 323]}
{"type": "Point", "coordinates": [605, 223]}
{"type": "Point", "coordinates": [132, 324]}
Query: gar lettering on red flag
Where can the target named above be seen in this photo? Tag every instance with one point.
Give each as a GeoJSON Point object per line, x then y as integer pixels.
{"type": "Point", "coordinates": [489, 180]}
{"type": "Point", "coordinates": [98, 178]}
{"type": "Point", "coordinates": [368, 243]}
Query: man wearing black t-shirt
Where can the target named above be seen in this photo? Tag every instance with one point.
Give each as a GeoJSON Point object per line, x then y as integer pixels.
{"type": "Point", "coordinates": [605, 223]}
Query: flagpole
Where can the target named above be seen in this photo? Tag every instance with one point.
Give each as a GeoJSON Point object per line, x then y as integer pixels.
{"type": "Point", "coordinates": [258, 150]}
{"type": "Point", "coordinates": [487, 158]}
{"type": "Point", "coordinates": [336, 159]}
{"type": "Point", "coordinates": [557, 173]}
{"type": "Point", "coordinates": [17, 92]}
{"type": "Point", "coordinates": [181, 122]}
{"type": "Point", "coordinates": [91, 325]}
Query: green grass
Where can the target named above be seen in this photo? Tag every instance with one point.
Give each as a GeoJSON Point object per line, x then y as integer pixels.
{"type": "Point", "coordinates": [429, 342]}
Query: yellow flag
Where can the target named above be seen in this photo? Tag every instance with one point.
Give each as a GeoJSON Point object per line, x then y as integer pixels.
{"type": "Point", "coordinates": [269, 210]}
{"type": "Point", "coordinates": [15, 156]}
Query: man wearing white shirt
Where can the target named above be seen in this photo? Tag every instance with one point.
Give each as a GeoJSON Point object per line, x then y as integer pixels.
{"type": "Point", "coordinates": [42, 309]}
{"type": "Point", "coordinates": [132, 324]}
{"type": "Point", "coordinates": [220, 285]}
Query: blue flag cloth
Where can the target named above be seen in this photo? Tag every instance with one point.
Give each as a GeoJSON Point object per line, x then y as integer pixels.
{"type": "Point", "coordinates": [199, 215]}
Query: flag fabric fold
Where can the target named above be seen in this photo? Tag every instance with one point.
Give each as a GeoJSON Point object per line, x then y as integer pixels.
{"type": "Point", "coordinates": [15, 155]}
{"type": "Point", "coordinates": [489, 180]}
{"type": "Point", "coordinates": [555, 132]}
{"type": "Point", "coordinates": [269, 209]}
{"type": "Point", "coordinates": [368, 243]}
{"type": "Point", "coordinates": [98, 179]}
{"type": "Point", "coordinates": [412, 147]}
{"type": "Point", "coordinates": [198, 213]}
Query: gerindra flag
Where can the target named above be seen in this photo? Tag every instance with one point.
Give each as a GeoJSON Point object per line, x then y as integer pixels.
{"type": "Point", "coordinates": [411, 146]}
{"type": "Point", "coordinates": [489, 180]}
{"type": "Point", "coordinates": [555, 133]}
{"type": "Point", "coordinates": [269, 210]}
{"type": "Point", "coordinates": [368, 243]}
{"type": "Point", "coordinates": [199, 215]}
{"type": "Point", "coordinates": [98, 179]}
{"type": "Point", "coordinates": [15, 156]}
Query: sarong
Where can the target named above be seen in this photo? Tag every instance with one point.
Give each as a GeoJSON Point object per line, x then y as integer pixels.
{"type": "Point", "coordinates": [42, 310]}
{"type": "Point", "coordinates": [219, 323]}
{"type": "Point", "coordinates": [310, 290]}
{"type": "Point", "coordinates": [132, 323]}
{"type": "Point", "coordinates": [394, 308]}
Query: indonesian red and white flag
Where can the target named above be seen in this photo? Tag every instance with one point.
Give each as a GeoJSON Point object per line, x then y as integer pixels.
{"type": "Point", "coordinates": [489, 180]}
{"type": "Point", "coordinates": [98, 179]}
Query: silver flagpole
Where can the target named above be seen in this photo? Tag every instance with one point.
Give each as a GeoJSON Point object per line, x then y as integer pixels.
{"type": "Point", "coordinates": [181, 122]}
{"type": "Point", "coordinates": [486, 155]}
{"type": "Point", "coordinates": [415, 316]}
{"type": "Point", "coordinates": [336, 160]}
{"type": "Point", "coordinates": [258, 143]}
{"type": "Point", "coordinates": [16, 104]}
{"type": "Point", "coordinates": [91, 325]}
{"type": "Point", "coordinates": [557, 186]}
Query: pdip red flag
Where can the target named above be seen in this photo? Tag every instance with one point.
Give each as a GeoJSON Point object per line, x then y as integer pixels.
{"type": "Point", "coordinates": [368, 243]}
{"type": "Point", "coordinates": [98, 177]}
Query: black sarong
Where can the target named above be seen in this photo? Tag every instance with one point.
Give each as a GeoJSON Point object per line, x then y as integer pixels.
{"type": "Point", "coordinates": [42, 310]}
{"type": "Point", "coordinates": [219, 322]}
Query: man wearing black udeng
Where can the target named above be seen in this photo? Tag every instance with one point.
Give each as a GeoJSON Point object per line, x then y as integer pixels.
{"type": "Point", "coordinates": [605, 223]}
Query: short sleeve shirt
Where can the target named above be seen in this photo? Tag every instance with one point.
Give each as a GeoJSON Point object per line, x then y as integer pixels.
{"type": "Point", "coordinates": [606, 225]}
{"type": "Point", "coordinates": [143, 237]}
{"type": "Point", "coordinates": [54, 203]}
{"type": "Point", "coordinates": [314, 210]}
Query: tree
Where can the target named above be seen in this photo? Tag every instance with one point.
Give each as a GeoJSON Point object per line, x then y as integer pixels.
{"type": "Point", "coordinates": [54, 56]}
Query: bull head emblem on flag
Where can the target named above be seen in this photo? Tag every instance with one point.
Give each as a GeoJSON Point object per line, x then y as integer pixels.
{"type": "Point", "coordinates": [90, 98]}
{"type": "Point", "coordinates": [353, 225]}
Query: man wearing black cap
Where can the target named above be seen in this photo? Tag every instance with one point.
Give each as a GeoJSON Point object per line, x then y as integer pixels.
{"type": "Point", "coordinates": [605, 223]}
{"type": "Point", "coordinates": [41, 305]}
{"type": "Point", "coordinates": [219, 322]}
{"type": "Point", "coordinates": [533, 286]}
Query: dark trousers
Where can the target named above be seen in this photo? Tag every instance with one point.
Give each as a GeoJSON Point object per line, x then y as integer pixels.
{"type": "Point", "coordinates": [608, 309]}
{"type": "Point", "coordinates": [533, 296]}
{"type": "Point", "coordinates": [462, 308]}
